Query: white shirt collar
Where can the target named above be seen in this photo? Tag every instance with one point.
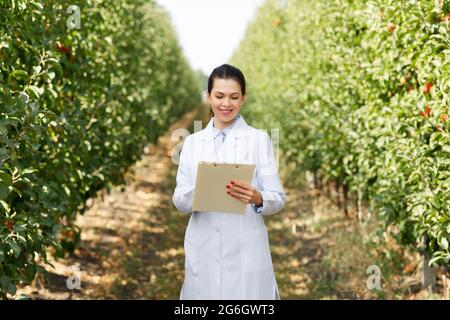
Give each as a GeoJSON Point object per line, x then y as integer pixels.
{"type": "Point", "coordinates": [227, 129]}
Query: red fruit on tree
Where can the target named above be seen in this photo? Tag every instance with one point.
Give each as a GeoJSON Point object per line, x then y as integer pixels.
{"type": "Point", "coordinates": [62, 48]}
{"type": "Point", "coordinates": [426, 113]}
{"type": "Point", "coordinates": [276, 22]}
{"type": "Point", "coordinates": [444, 118]}
{"type": "Point", "coordinates": [391, 27]}
{"type": "Point", "coordinates": [427, 87]}
{"type": "Point", "coordinates": [446, 19]}
{"type": "Point", "coordinates": [9, 224]}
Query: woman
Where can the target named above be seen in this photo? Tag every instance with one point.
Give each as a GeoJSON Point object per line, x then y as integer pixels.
{"type": "Point", "coordinates": [228, 255]}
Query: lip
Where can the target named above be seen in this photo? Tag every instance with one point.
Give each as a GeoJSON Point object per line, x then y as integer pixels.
{"type": "Point", "coordinates": [225, 112]}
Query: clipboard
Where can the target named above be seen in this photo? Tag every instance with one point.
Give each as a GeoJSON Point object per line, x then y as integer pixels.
{"type": "Point", "coordinates": [210, 186]}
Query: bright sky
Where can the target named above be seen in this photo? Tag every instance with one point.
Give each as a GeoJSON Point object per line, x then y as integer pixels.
{"type": "Point", "coordinates": [210, 30]}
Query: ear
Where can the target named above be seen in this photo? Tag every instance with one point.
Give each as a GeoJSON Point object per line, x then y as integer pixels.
{"type": "Point", "coordinates": [205, 96]}
{"type": "Point", "coordinates": [208, 97]}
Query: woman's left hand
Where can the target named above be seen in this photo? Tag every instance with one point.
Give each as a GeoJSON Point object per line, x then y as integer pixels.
{"type": "Point", "coordinates": [244, 192]}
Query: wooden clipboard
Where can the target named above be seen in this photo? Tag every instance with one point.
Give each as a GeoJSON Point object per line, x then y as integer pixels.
{"type": "Point", "coordinates": [210, 186]}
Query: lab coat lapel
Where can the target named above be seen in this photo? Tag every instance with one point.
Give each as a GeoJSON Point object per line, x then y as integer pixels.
{"type": "Point", "coordinates": [228, 152]}
{"type": "Point", "coordinates": [207, 150]}
{"type": "Point", "coordinates": [235, 148]}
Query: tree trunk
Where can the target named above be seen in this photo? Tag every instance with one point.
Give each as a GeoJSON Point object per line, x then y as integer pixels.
{"type": "Point", "coordinates": [345, 191]}
{"type": "Point", "coordinates": [359, 207]}
{"type": "Point", "coordinates": [356, 201]}
{"type": "Point", "coordinates": [428, 273]}
{"type": "Point", "coordinates": [316, 180]}
{"type": "Point", "coordinates": [328, 190]}
{"type": "Point", "coordinates": [311, 179]}
{"type": "Point", "coordinates": [445, 285]}
{"type": "Point", "coordinates": [338, 193]}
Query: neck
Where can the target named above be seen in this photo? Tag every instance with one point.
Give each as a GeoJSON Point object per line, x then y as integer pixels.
{"type": "Point", "coordinates": [222, 125]}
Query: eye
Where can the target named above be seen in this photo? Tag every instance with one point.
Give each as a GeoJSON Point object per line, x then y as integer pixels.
{"type": "Point", "coordinates": [218, 97]}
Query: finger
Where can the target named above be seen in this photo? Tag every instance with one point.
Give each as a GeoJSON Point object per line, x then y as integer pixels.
{"type": "Point", "coordinates": [241, 190]}
{"type": "Point", "coordinates": [242, 200]}
{"type": "Point", "coordinates": [241, 184]}
{"type": "Point", "coordinates": [239, 196]}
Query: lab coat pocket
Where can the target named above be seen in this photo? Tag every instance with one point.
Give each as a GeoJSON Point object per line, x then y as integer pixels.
{"type": "Point", "coordinates": [191, 260]}
{"type": "Point", "coordinates": [255, 251]}
{"type": "Point", "coordinates": [190, 285]}
{"type": "Point", "coordinates": [189, 290]}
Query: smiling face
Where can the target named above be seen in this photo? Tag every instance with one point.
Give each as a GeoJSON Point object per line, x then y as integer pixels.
{"type": "Point", "coordinates": [226, 100]}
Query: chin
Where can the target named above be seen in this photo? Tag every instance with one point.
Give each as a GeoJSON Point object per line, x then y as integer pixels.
{"type": "Point", "coordinates": [226, 118]}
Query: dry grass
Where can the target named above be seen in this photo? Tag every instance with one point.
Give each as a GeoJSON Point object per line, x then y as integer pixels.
{"type": "Point", "coordinates": [329, 254]}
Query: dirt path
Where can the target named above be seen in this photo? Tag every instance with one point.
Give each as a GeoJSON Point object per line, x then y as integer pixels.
{"type": "Point", "coordinates": [132, 241]}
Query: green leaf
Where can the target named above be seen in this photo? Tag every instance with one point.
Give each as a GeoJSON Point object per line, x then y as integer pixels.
{"type": "Point", "coordinates": [4, 44]}
{"type": "Point", "coordinates": [3, 131]}
{"type": "Point", "coordinates": [435, 259]}
{"type": "Point", "coordinates": [444, 243]}
{"type": "Point", "coordinates": [36, 91]}
{"type": "Point", "coordinates": [5, 206]}
{"type": "Point", "coordinates": [12, 289]}
{"type": "Point", "coordinates": [6, 178]}
{"type": "Point", "coordinates": [37, 69]}
{"type": "Point", "coordinates": [88, 145]}
{"type": "Point", "coordinates": [15, 248]}
{"type": "Point", "coordinates": [4, 191]}
{"type": "Point", "coordinates": [18, 74]}
{"type": "Point", "coordinates": [39, 5]}
{"type": "Point", "coordinates": [30, 272]}
{"type": "Point", "coordinates": [29, 170]}
{"type": "Point", "coordinates": [11, 121]}
{"type": "Point", "coordinates": [56, 228]}
{"type": "Point", "coordinates": [67, 190]}
{"type": "Point", "coordinates": [3, 154]}
{"type": "Point", "coordinates": [19, 228]}
{"type": "Point", "coordinates": [4, 281]}
{"type": "Point", "coordinates": [434, 136]}
{"type": "Point", "coordinates": [2, 256]}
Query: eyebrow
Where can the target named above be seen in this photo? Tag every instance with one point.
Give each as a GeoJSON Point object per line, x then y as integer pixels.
{"type": "Point", "coordinates": [231, 93]}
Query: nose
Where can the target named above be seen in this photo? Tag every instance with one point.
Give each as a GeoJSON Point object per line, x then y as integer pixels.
{"type": "Point", "coordinates": [227, 102]}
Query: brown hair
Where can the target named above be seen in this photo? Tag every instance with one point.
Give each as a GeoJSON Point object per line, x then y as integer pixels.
{"type": "Point", "coordinates": [226, 71]}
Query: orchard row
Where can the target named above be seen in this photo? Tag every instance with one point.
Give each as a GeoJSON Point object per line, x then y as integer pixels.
{"type": "Point", "coordinates": [82, 90]}
{"type": "Point", "coordinates": [360, 90]}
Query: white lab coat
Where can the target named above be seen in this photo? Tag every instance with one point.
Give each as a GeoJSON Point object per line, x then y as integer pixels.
{"type": "Point", "coordinates": [227, 256]}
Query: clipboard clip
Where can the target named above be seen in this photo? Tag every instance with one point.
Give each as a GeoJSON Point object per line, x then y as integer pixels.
{"type": "Point", "coordinates": [215, 164]}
